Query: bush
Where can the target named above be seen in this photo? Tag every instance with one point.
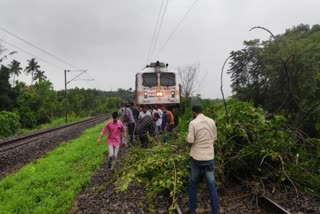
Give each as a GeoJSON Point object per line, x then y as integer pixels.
{"type": "Point", "coordinates": [28, 118]}
{"type": "Point", "coordinates": [252, 144]}
{"type": "Point", "coordinates": [9, 123]}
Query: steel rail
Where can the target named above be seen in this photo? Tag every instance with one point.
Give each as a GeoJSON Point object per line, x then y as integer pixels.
{"type": "Point", "coordinates": [11, 143]}
{"type": "Point", "coordinates": [271, 206]}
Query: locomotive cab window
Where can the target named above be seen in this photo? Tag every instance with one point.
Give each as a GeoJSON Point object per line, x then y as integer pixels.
{"type": "Point", "coordinates": [167, 79]}
{"type": "Point", "coordinates": [149, 79]}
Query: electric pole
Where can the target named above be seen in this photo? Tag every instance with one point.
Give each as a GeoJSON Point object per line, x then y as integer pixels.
{"type": "Point", "coordinates": [65, 88]}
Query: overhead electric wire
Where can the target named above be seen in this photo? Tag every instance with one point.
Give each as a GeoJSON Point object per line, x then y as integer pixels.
{"type": "Point", "coordinates": [46, 52]}
{"type": "Point", "coordinates": [176, 28]}
{"type": "Point", "coordinates": [154, 33]}
{"type": "Point", "coordinates": [29, 43]}
{"type": "Point", "coordinates": [30, 54]}
{"type": "Point", "coordinates": [157, 35]}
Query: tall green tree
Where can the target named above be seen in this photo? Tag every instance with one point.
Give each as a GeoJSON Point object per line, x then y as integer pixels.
{"type": "Point", "coordinates": [14, 69]}
{"type": "Point", "coordinates": [39, 76]}
{"type": "Point", "coordinates": [7, 95]}
{"type": "Point", "coordinates": [31, 68]}
{"type": "Point", "coordinates": [282, 75]}
{"type": "Point", "coordinates": [28, 104]}
{"type": "Point", "coordinates": [248, 80]}
{"type": "Point", "coordinates": [49, 107]}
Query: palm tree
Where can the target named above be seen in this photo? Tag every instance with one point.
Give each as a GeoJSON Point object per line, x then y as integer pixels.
{"type": "Point", "coordinates": [39, 75]}
{"type": "Point", "coordinates": [31, 68]}
{"type": "Point", "coordinates": [15, 70]}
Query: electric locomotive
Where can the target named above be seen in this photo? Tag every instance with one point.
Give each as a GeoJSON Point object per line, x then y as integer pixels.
{"type": "Point", "coordinates": [155, 85]}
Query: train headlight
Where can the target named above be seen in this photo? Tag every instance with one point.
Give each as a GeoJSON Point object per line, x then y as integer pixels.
{"type": "Point", "coordinates": [173, 94]}
{"type": "Point", "coordinates": [145, 94]}
{"type": "Point", "coordinates": [159, 94]}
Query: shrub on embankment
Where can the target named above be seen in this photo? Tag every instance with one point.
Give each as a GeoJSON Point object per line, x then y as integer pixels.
{"type": "Point", "coordinates": [9, 123]}
{"type": "Point", "coordinates": [251, 145]}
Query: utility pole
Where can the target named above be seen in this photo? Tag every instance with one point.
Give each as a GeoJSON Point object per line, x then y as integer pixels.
{"type": "Point", "coordinates": [65, 89]}
{"type": "Point", "coordinates": [65, 94]}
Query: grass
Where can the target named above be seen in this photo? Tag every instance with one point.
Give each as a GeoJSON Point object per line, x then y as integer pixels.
{"type": "Point", "coordinates": [51, 184]}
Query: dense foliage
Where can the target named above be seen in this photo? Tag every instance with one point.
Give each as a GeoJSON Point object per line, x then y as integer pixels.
{"type": "Point", "coordinates": [282, 75]}
{"type": "Point", "coordinates": [9, 123]}
{"type": "Point", "coordinates": [250, 147]}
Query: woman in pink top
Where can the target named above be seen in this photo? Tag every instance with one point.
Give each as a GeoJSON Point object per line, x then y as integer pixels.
{"type": "Point", "coordinates": [114, 128]}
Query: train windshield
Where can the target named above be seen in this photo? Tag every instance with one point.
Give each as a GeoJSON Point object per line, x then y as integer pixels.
{"type": "Point", "coordinates": [149, 79]}
{"type": "Point", "coordinates": [167, 79]}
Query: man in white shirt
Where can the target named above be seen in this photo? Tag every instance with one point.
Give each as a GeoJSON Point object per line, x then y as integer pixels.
{"type": "Point", "coordinates": [159, 121]}
{"type": "Point", "coordinates": [202, 134]}
{"type": "Point", "coordinates": [143, 113]}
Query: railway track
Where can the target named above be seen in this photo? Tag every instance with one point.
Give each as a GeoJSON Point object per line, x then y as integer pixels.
{"type": "Point", "coordinates": [235, 201]}
{"type": "Point", "coordinates": [271, 206]}
{"type": "Point", "coordinates": [12, 143]}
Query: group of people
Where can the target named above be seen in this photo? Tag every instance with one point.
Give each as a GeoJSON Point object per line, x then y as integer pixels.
{"type": "Point", "coordinates": [143, 120]}
{"type": "Point", "coordinates": [136, 122]}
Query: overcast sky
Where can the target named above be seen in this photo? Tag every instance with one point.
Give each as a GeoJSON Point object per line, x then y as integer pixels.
{"type": "Point", "coordinates": [111, 38]}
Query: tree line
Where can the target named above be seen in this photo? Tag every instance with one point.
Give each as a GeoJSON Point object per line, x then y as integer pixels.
{"type": "Point", "coordinates": [24, 106]}
{"type": "Point", "coordinates": [282, 75]}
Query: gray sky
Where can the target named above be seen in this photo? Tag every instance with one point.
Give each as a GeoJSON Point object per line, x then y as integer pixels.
{"type": "Point", "coordinates": [111, 38]}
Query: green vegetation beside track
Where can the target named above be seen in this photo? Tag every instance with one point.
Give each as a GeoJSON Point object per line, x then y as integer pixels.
{"type": "Point", "coordinates": [261, 151]}
{"type": "Point", "coordinates": [50, 184]}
